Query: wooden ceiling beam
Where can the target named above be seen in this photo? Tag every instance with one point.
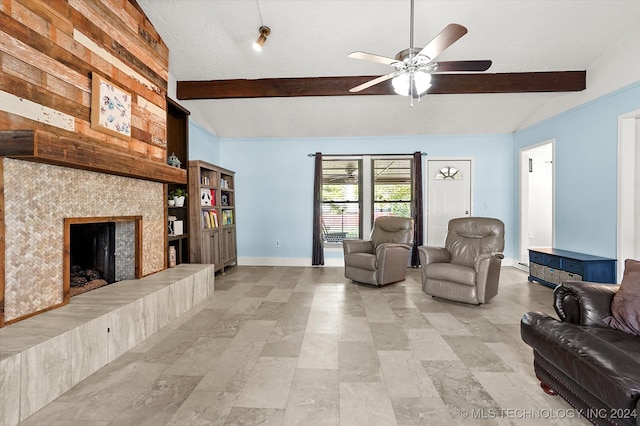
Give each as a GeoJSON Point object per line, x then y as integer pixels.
{"type": "Point", "coordinates": [524, 82]}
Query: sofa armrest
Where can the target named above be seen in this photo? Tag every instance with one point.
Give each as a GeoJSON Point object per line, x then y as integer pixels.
{"type": "Point", "coordinates": [484, 258]}
{"type": "Point", "coordinates": [584, 303]}
{"type": "Point", "coordinates": [433, 255]}
{"type": "Point", "coordinates": [530, 325]}
{"type": "Point", "coordinates": [357, 246]}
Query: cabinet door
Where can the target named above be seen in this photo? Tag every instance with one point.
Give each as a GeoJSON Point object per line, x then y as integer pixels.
{"type": "Point", "coordinates": [206, 251]}
{"type": "Point", "coordinates": [229, 245]}
{"type": "Point", "coordinates": [216, 257]}
{"type": "Point", "coordinates": [210, 251]}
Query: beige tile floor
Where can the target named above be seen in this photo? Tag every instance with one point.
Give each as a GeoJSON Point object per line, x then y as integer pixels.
{"type": "Point", "coordinates": [304, 346]}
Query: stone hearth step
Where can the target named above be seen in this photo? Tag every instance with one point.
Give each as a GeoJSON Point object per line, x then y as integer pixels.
{"type": "Point", "coordinates": [44, 356]}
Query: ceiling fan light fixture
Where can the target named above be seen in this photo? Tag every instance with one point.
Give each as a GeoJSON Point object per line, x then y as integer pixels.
{"type": "Point", "coordinates": [420, 80]}
{"type": "Point", "coordinates": [262, 38]}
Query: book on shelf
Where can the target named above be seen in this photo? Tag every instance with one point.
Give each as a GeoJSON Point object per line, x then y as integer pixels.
{"type": "Point", "coordinates": [204, 180]}
{"type": "Point", "coordinates": [227, 217]}
{"type": "Point", "coordinates": [207, 197]}
{"type": "Point", "coordinates": [209, 219]}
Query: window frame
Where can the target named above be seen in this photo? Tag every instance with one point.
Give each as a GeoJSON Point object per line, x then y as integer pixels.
{"type": "Point", "coordinates": [359, 201]}
{"type": "Point", "coordinates": [407, 158]}
{"type": "Point", "coordinates": [366, 204]}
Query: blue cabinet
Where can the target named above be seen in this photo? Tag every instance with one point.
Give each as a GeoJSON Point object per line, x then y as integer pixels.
{"type": "Point", "coordinates": [552, 267]}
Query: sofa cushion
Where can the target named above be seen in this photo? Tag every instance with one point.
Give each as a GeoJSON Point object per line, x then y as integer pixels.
{"type": "Point", "coordinates": [625, 308]}
{"type": "Point", "coordinates": [467, 237]}
{"type": "Point", "coordinates": [450, 272]}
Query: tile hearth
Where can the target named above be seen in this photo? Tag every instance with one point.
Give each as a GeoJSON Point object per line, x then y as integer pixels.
{"type": "Point", "coordinates": [294, 346]}
{"type": "Point", "coordinates": [44, 356]}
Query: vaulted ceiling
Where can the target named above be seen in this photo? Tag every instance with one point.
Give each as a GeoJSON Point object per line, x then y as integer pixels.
{"type": "Point", "coordinates": [212, 40]}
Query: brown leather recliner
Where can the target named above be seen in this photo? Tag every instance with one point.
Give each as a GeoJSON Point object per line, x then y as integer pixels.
{"type": "Point", "coordinates": [384, 257]}
{"type": "Point", "coordinates": [467, 269]}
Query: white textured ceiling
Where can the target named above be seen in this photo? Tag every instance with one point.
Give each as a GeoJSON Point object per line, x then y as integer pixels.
{"type": "Point", "coordinates": [211, 40]}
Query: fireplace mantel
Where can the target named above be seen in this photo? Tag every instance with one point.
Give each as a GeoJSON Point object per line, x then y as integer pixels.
{"type": "Point", "coordinates": [49, 148]}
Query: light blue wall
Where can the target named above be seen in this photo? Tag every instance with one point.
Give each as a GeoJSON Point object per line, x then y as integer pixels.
{"type": "Point", "coordinates": [203, 145]}
{"type": "Point", "coordinates": [586, 143]}
{"type": "Point", "coordinates": [274, 183]}
{"type": "Point", "coordinates": [274, 180]}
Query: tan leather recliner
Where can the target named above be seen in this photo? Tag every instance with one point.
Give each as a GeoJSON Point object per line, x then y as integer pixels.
{"type": "Point", "coordinates": [467, 269]}
{"type": "Point", "coordinates": [384, 257]}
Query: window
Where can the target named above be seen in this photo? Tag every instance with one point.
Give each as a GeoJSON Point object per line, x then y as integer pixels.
{"type": "Point", "coordinates": [341, 199]}
{"type": "Point", "coordinates": [449, 172]}
{"type": "Point", "coordinates": [356, 190]}
{"type": "Point", "coordinates": [392, 187]}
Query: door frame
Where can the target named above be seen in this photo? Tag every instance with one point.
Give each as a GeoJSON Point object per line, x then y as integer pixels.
{"type": "Point", "coordinates": [524, 199]}
{"type": "Point", "coordinates": [425, 182]}
{"type": "Point", "coordinates": [628, 144]}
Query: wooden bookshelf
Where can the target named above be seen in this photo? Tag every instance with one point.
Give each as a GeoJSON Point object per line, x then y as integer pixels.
{"type": "Point", "coordinates": [178, 144]}
{"type": "Point", "coordinates": [212, 220]}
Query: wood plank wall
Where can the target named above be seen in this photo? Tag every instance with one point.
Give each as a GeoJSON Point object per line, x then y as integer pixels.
{"type": "Point", "coordinates": [48, 51]}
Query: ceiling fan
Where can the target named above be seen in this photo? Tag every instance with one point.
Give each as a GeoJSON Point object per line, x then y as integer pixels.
{"type": "Point", "coordinates": [416, 70]}
{"type": "Point", "coordinates": [349, 176]}
{"type": "Point", "coordinates": [414, 66]}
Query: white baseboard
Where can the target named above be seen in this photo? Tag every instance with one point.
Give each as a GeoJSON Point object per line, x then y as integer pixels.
{"type": "Point", "coordinates": [332, 262]}
{"type": "Point", "coordinates": [274, 261]}
{"type": "Point", "coordinates": [286, 261]}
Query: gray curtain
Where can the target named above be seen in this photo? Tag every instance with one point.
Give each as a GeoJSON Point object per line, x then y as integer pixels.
{"type": "Point", "coordinates": [317, 255]}
{"type": "Point", "coordinates": [417, 208]}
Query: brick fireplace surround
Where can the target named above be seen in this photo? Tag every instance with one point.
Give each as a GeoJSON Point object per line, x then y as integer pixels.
{"type": "Point", "coordinates": [38, 197]}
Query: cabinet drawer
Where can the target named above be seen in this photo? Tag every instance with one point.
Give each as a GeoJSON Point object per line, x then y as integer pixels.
{"type": "Point", "coordinates": [567, 276]}
{"type": "Point", "coordinates": [553, 262]}
{"type": "Point", "coordinates": [574, 266]}
{"type": "Point", "coordinates": [536, 270]}
{"type": "Point", "coordinates": [552, 275]}
{"type": "Point", "coordinates": [536, 258]}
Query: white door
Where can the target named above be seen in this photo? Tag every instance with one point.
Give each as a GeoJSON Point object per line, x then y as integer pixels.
{"type": "Point", "coordinates": [448, 184]}
{"type": "Point", "coordinates": [536, 198]}
{"type": "Point", "coordinates": [628, 189]}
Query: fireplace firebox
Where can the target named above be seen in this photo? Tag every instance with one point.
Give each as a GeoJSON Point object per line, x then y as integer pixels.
{"type": "Point", "coordinates": [92, 257]}
{"type": "Point", "coordinates": [100, 251]}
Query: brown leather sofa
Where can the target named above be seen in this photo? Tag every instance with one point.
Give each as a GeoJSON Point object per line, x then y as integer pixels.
{"type": "Point", "coordinates": [595, 368]}
{"type": "Point", "coordinates": [383, 259]}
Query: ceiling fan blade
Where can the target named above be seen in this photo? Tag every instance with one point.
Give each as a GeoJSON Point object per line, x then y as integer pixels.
{"type": "Point", "coordinates": [371, 57]}
{"type": "Point", "coordinates": [449, 35]}
{"type": "Point", "coordinates": [448, 66]}
{"type": "Point", "coordinates": [374, 82]}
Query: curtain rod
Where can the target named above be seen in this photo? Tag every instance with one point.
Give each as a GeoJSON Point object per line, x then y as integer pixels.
{"type": "Point", "coordinates": [373, 155]}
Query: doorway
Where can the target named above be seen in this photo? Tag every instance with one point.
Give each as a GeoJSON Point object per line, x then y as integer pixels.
{"type": "Point", "coordinates": [448, 185]}
{"type": "Point", "coordinates": [628, 187]}
{"type": "Point", "coordinates": [536, 199]}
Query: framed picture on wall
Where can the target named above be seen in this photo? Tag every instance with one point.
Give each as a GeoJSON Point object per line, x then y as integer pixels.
{"type": "Point", "coordinates": [110, 108]}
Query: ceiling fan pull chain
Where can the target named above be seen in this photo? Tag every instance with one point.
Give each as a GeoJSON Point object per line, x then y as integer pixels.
{"type": "Point", "coordinates": [411, 30]}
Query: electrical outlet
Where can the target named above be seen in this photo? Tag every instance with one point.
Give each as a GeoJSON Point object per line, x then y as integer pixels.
{"type": "Point", "coordinates": [530, 234]}
{"type": "Point", "coordinates": [277, 243]}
